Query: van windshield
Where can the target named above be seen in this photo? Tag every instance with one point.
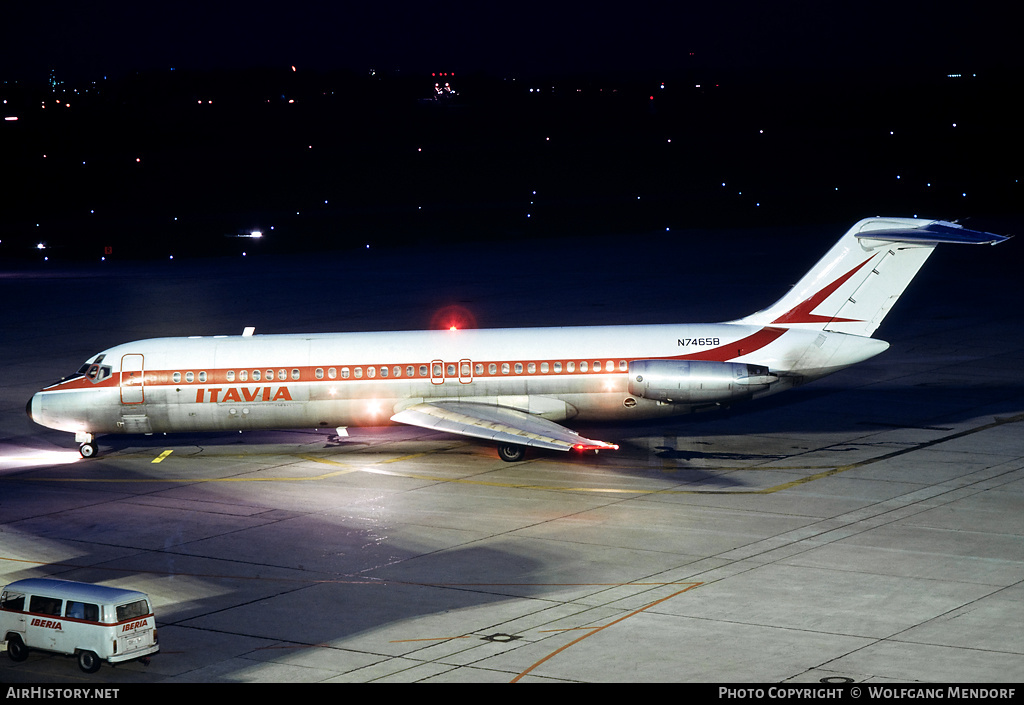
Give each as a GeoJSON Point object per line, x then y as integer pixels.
{"type": "Point", "coordinates": [13, 601]}
{"type": "Point", "coordinates": [132, 610]}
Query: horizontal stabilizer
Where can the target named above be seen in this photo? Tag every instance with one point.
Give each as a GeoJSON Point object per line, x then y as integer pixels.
{"type": "Point", "coordinates": [496, 423]}
{"type": "Point", "coordinates": [938, 231]}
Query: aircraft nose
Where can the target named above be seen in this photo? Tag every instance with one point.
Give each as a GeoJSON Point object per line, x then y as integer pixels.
{"type": "Point", "coordinates": [32, 406]}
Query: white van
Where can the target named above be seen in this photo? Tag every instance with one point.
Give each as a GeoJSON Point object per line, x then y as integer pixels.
{"type": "Point", "coordinates": [92, 622]}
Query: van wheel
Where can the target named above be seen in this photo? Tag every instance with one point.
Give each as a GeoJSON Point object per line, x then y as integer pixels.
{"type": "Point", "coordinates": [16, 648]}
{"type": "Point", "coordinates": [88, 661]}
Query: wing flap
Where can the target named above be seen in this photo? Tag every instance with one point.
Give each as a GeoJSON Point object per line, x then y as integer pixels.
{"type": "Point", "coordinates": [496, 423]}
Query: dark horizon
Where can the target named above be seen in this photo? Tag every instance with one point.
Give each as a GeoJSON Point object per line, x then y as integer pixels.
{"type": "Point", "coordinates": [116, 39]}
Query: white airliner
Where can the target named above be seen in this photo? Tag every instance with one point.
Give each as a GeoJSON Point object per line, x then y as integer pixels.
{"type": "Point", "coordinates": [509, 386]}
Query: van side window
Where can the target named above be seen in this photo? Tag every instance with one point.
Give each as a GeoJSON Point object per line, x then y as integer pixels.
{"type": "Point", "coordinates": [45, 605]}
{"type": "Point", "coordinates": [82, 610]}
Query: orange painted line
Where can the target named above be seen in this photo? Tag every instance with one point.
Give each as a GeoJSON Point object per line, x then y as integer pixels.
{"type": "Point", "coordinates": [602, 628]}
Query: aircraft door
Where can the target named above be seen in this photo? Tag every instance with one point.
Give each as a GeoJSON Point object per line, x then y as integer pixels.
{"type": "Point", "coordinates": [132, 382]}
{"type": "Point", "coordinates": [437, 372]}
{"type": "Point", "coordinates": [465, 371]}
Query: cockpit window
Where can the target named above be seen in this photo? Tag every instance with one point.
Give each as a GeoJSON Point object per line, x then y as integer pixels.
{"type": "Point", "coordinates": [93, 370]}
{"type": "Point", "coordinates": [97, 373]}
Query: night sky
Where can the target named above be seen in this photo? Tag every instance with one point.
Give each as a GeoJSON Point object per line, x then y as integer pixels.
{"type": "Point", "coordinates": [505, 38]}
{"type": "Point", "coordinates": [173, 127]}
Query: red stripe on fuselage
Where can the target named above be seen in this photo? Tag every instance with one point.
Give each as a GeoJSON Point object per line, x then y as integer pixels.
{"type": "Point", "coordinates": [743, 346]}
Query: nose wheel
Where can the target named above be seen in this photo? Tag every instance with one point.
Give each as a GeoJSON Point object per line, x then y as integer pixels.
{"type": "Point", "coordinates": [88, 449]}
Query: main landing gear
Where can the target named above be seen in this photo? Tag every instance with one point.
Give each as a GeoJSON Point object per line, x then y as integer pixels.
{"type": "Point", "coordinates": [88, 449]}
{"type": "Point", "coordinates": [511, 453]}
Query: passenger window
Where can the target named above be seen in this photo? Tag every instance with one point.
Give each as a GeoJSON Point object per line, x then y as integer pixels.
{"type": "Point", "coordinates": [610, 366]}
{"type": "Point", "coordinates": [319, 373]}
{"type": "Point", "coordinates": [544, 367]}
{"type": "Point", "coordinates": [357, 372]}
{"type": "Point", "coordinates": [623, 366]}
{"type": "Point", "coordinates": [492, 369]}
{"type": "Point", "coordinates": [255, 375]}
{"type": "Point", "coordinates": [270, 375]}
{"type": "Point", "coordinates": [189, 376]}
{"type": "Point", "coordinates": [410, 371]}
{"type": "Point", "coordinates": [295, 374]}
{"type": "Point", "coordinates": [176, 377]}
{"type": "Point", "coordinates": [243, 375]}
{"type": "Point", "coordinates": [570, 366]}
{"type": "Point", "coordinates": [423, 370]}
{"type": "Point", "coordinates": [371, 372]}
{"type": "Point", "coordinates": [583, 366]}
{"type": "Point", "coordinates": [558, 367]}
{"type": "Point", "coordinates": [597, 365]}
{"type": "Point", "coordinates": [531, 367]}
{"type": "Point", "coordinates": [82, 610]}
{"type": "Point", "coordinates": [231, 375]}
{"type": "Point", "coordinates": [451, 370]}
{"type": "Point", "coordinates": [202, 376]}
{"type": "Point", "coordinates": [396, 371]}
{"type": "Point", "coordinates": [383, 371]}
{"type": "Point", "coordinates": [331, 373]}
{"type": "Point", "coordinates": [344, 373]}
{"type": "Point", "coordinates": [478, 368]}
{"type": "Point", "coordinates": [45, 605]}
{"type": "Point", "coordinates": [282, 375]}
{"type": "Point", "coordinates": [519, 368]}
{"type": "Point", "coordinates": [504, 368]}
{"type": "Point", "coordinates": [436, 371]}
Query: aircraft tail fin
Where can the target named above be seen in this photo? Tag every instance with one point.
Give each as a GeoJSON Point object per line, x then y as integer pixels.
{"type": "Point", "coordinates": [853, 287]}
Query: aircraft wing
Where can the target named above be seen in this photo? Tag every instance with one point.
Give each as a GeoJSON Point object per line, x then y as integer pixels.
{"type": "Point", "coordinates": [496, 423]}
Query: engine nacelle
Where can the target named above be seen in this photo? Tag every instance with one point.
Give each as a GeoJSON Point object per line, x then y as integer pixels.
{"type": "Point", "coordinates": [696, 381]}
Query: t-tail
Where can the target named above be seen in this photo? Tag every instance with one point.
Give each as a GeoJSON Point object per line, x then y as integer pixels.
{"type": "Point", "coordinates": [852, 288]}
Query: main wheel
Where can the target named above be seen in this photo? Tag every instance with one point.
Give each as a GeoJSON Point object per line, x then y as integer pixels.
{"type": "Point", "coordinates": [88, 450]}
{"type": "Point", "coordinates": [511, 453]}
{"type": "Point", "coordinates": [88, 661]}
{"type": "Point", "coordinates": [16, 648]}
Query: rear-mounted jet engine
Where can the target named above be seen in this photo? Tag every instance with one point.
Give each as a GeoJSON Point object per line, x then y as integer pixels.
{"type": "Point", "coordinates": [690, 381]}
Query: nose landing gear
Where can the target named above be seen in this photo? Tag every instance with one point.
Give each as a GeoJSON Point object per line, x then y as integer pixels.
{"type": "Point", "coordinates": [88, 449]}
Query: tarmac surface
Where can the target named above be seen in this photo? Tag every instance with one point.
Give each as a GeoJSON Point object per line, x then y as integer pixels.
{"type": "Point", "coordinates": [866, 527]}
